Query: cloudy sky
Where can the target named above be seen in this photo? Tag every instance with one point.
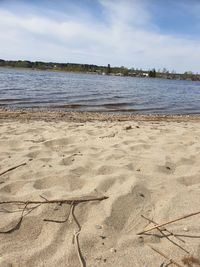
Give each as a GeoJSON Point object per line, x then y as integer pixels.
{"type": "Point", "coordinates": [133, 33]}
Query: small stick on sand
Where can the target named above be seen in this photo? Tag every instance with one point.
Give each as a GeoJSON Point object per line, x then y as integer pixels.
{"type": "Point", "coordinates": [52, 201]}
{"type": "Point", "coordinates": [169, 222]}
{"type": "Point", "coordinates": [163, 234]}
{"type": "Point", "coordinates": [71, 202]}
{"type": "Point", "coordinates": [156, 224]}
{"type": "Point", "coordinates": [165, 256]}
{"type": "Point", "coordinates": [17, 226]}
{"type": "Point", "coordinates": [13, 168]}
{"type": "Point", "coordinates": [63, 221]}
{"type": "Point", "coordinates": [76, 234]}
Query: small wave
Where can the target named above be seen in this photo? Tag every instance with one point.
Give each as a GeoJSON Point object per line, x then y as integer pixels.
{"type": "Point", "coordinates": [116, 105]}
{"type": "Point", "coordinates": [70, 106]}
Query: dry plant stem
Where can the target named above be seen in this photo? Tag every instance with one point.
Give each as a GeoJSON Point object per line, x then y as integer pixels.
{"type": "Point", "coordinates": [163, 229]}
{"type": "Point", "coordinates": [56, 221]}
{"type": "Point", "coordinates": [165, 256]}
{"type": "Point", "coordinates": [18, 223]}
{"type": "Point", "coordinates": [43, 197]}
{"type": "Point", "coordinates": [169, 222]}
{"type": "Point", "coordinates": [13, 168]}
{"type": "Point", "coordinates": [31, 209]}
{"type": "Point", "coordinates": [76, 234]}
{"type": "Point", "coordinates": [61, 201]}
{"type": "Point", "coordinates": [73, 203]}
{"type": "Point", "coordinates": [189, 236]}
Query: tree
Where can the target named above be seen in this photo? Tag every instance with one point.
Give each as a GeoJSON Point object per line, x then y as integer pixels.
{"type": "Point", "coordinates": [152, 73]}
{"type": "Point", "coordinates": [108, 69]}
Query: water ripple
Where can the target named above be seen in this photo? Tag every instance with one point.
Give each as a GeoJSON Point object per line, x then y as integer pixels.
{"type": "Point", "coordinates": [84, 92]}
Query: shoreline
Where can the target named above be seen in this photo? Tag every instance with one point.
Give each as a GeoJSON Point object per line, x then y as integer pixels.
{"type": "Point", "coordinates": [169, 76]}
{"type": "Point", "coordinates": [49, 115]}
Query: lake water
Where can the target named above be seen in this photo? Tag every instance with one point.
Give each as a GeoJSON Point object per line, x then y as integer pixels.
{"type": "Point", "coordinates": [87, 92]}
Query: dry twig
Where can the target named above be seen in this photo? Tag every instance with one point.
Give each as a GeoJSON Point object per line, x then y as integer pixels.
{"type": "Point", "coordinates": [72, 202]}
{"type": "Point", "coordinates": [63, 221]}
{"type": "Point", "coordinates": [17, 226]}
{"type": "Point", "coordinates": [156, 224]}
{"type": "Point", "coordinates": [169, 222]}
{"type": "Point", "coordinates": [165, 256]}
{"type": "Point", "coordinates": [163, 234]}
{"type": "Point", "coordinates": [76, 234]}
{"type": "Point", "coordinates": [13, 168]}
{"type": "Point", "coordinates": [52, 201]}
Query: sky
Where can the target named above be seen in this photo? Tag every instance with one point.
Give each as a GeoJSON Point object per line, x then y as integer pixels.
{"type": "Point", "coordinates": [132, 33]}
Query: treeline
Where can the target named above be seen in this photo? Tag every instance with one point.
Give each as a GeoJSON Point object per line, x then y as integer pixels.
{"type": "Point", "coordinates": [103, 70]}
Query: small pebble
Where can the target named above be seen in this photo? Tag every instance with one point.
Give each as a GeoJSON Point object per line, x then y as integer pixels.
{"type": "Point", "coordinates": [128, 127]}
{"type": "Point", "coordinates": [185, 229]}
{"type": "Point", "coordinates": [97, 226]}
{"type": "Point", "coordinates": [113, 250]}
{"type": "Point", "coordinates": [103, 237]}
{"type": "Point", "coordinates": [98, 258]}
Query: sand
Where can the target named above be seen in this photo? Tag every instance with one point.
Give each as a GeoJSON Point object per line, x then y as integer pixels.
{"type": "Point", "coordinates": [148, 168]}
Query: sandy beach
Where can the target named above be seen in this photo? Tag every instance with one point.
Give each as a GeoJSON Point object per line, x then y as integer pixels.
{"type": "Point", "coordinates": [146, 166]}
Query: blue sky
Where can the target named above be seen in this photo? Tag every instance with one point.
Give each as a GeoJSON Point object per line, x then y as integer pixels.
{"type": "Point", "coordinates": [134, 33]}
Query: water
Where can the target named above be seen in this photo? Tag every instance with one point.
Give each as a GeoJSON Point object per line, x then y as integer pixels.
{"type": "Point", "coordinates": [87, 92]}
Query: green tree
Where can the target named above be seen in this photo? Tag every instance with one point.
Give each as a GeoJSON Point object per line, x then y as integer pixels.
{"type": "Point", "coordinates": [152, 73]}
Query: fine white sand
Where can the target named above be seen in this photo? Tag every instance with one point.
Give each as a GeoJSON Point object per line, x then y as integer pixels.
{"type": "Point", "coordinates": [145, 168]}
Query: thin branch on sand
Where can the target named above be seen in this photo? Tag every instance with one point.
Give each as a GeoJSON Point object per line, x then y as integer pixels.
{"type": "Point", "coordinates": [17, 226]}
{"type": "Point", "coordinates": [72, 202]}
{"type": "Point", "coordinates": [52, 201]}
{"type": "Point", "coordinates": [61, 221]}
{"type": "Point", "coordinates": [13, 168]}
{"type": "Point", "coordinates": [76, 234]}
{"type": "Point", "coordinates": [169, 222]}
{"type": "Point", "coordinates": [165, 256]}
{"type": "Point", "coordinates": [167, 237]}
{"type": "Point", "coordinates": [164, 229]}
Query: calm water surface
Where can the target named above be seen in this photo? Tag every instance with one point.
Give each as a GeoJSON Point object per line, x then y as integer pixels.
{"type": "Point", "coordinates": [86, 92]}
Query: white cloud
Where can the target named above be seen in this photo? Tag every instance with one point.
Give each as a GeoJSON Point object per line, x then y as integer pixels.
{"type": "Point", "coordinates": [125, 37]}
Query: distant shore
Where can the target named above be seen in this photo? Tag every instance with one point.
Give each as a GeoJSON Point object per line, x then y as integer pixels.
{"type": "Point", "coordinates": [100, 70]}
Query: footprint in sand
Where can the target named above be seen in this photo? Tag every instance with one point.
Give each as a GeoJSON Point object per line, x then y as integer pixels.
{"type": "Point", "coordinates": [126, 209]}
{"type": "Point", "coordinates": [60, 142]}
{"type": "Point", "coordinates": [13, 187]}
